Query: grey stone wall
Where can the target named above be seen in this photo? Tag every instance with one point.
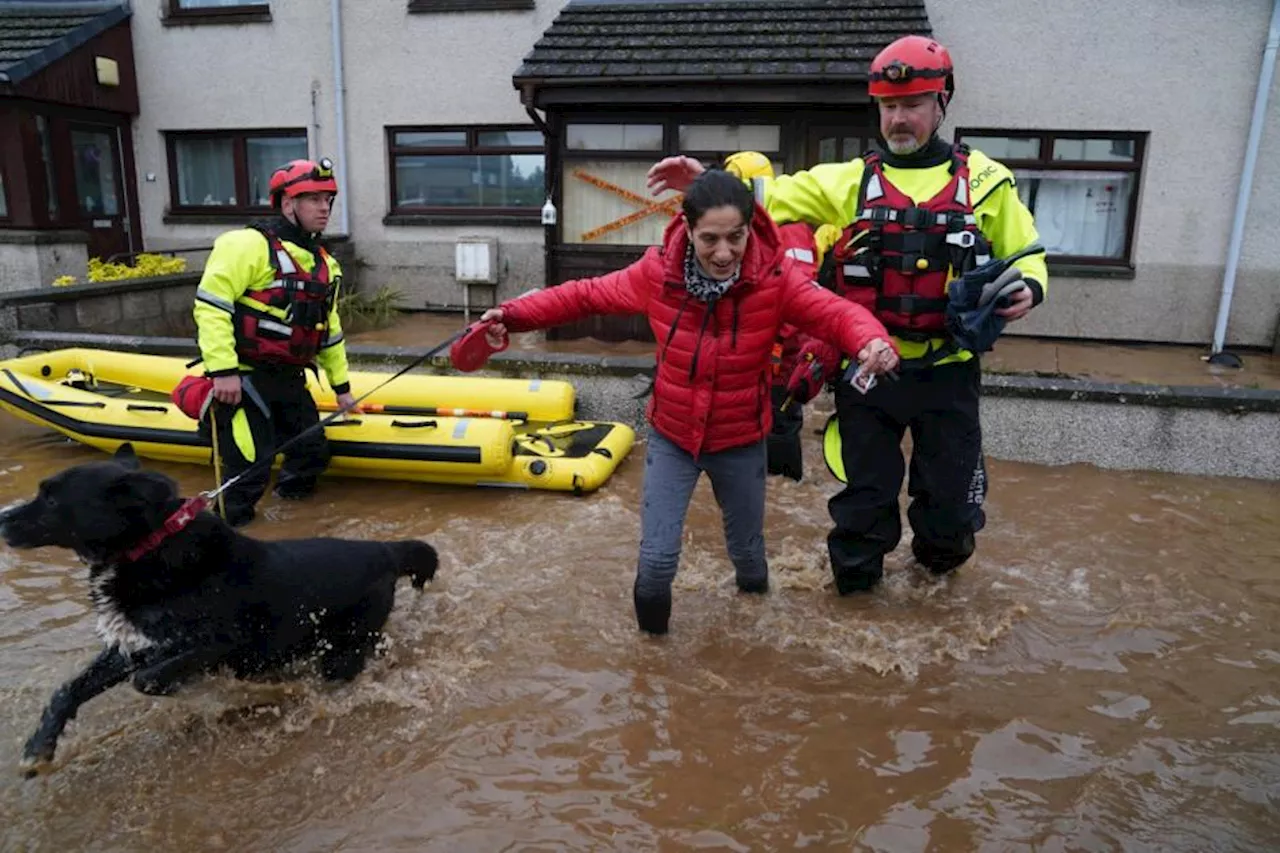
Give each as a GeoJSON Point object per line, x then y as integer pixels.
{"type": "Point", "coordinates": [33, 259]}
{"type": "Point", "coordinates": [158, 306]}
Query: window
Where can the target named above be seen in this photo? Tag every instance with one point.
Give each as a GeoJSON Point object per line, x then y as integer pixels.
{"type": "Point", "coordinates": [467, 171]}
{"type": "Point", "coordinates": [46, 155]}
{"type": "Point", "coordinates": [467, 5]}
{"type": "Point", "coordinates": [185, 5]}
{"type": "Point", "coordinates": [228, 171]}
{"type": "Point", "coordinates": [4, 199]}
{"type": "Point", "coordinates": [217, 11]}
{"type": "Point", "coordinates": [605, 200]}
{"type": "Point", "coordinates": [1082, 188]}
{"type": "Point", "coordinates": [95, 173]}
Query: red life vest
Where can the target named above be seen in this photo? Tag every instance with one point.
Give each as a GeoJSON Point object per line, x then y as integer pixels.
{"type": "Point", "coordinates": [305, 297]}
{"type": "Point", "coordinates": [897, 257]}
{"type": "Point", "coordinates": [798, 243]}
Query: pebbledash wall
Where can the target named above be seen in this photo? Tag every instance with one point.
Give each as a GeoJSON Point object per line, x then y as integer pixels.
{"type": "Point", "coordinates": [1183, 73]}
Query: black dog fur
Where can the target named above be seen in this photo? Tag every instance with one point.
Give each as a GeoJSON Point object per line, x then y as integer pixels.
{"type": "Point", "coordinates": [205, 597]}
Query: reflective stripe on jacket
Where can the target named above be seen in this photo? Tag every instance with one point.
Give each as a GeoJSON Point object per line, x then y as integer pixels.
{"type": "Point", "coordinates": [236, 276]}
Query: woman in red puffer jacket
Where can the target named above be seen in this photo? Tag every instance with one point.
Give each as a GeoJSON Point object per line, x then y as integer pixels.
{"type": "Point", "coordinates": [716, 294]}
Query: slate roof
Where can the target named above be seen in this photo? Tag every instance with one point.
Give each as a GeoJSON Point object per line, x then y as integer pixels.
{"type": "Point", "coordinates": [598, 41]}
{"type": "Point", "coordinates": [34, 35]}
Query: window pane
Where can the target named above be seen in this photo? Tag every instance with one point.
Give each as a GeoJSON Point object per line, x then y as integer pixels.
{"type": "Point", "coordinates": [46, 153]}
{"type": "Point", "coordinates": [470, 181]}
{"type": "Point", "coordinates": [1005, 147]}
{"type": "Point", "coordinates": [213, 4]}
{"type": "Point", "coordinates": [509, 138]}
{"type": "Point", "coordinates": [730, 137]}
{"type": "Point", "coordinates": [95, 172]}
{"type": "Point", "coordinates": [614, 137]}
{"type": "Point", "coordinates": [4, 200]}
{"type": "Point", "coordinates": [431, 138]}
{"type": "Point", "coordinates": [607, 203]}
{"type": "Point", "coordinates": [263, 155]}
{"type": "Point", "coordinates": [1079, 213]}
{"type": "Point", "coordinates": [1100, 150]}
{"type": "Point", "coordinates": [206, 172]}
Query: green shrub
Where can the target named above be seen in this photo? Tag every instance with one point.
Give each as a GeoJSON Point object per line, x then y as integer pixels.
{"type": "Point", "coordinates": [359, 312]}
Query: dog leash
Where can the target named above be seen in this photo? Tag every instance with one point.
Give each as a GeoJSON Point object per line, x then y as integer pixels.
{"type": "Point", "coordinates": [217, 461]}
{"type": "Point", "coordinates": [215, 494]}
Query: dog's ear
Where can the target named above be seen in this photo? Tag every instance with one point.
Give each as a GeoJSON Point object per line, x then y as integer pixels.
{"type": "Point", "coordinates": [125, 456]}
{"type": "Point", "coordinates": [143, 489]}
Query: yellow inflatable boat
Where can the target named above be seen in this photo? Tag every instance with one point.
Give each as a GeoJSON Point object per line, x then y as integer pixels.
{"type": "Point", "coordinates": [104, 399]}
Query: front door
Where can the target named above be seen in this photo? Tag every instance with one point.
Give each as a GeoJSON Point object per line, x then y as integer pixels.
{"type": "Point", "coordinates": [837, 144]}
{"type": "Point", "coordinates": [101, 209]}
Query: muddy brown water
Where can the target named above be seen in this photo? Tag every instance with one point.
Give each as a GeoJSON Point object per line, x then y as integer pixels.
{"type": "Point", "coordinates": [1105, 675]}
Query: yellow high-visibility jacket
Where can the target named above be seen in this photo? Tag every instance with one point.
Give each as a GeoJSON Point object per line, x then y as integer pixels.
{"type": "Point", "coordinates": [828, 193]}
{"type": "Point", "coordinates": [240, 264]}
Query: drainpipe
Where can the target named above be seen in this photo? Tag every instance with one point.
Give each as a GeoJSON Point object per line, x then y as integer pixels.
{"type": "Point", "coordinates": [1217, 356]}
{"type": "Point", "coordinates": [340, 124]}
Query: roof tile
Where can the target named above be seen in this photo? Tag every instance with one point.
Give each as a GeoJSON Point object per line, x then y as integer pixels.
{"type": "Point", "coordinates": [830, 39]}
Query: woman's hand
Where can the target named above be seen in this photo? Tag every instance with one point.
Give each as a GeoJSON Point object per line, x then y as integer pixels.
{"type": "Point", "coordinates": [878, 356]}
{"type": "Point", "coordinates": [496, 334]}
{"type": "Point", "coordinates": [673, 173]}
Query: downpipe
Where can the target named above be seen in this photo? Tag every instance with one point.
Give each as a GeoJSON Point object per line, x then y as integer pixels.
{"type": "Point", "coordinates": [1217, 355]}
{"type": "Point", "coordinates": [340, 118]}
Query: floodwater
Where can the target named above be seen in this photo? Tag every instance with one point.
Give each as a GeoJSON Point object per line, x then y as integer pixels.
{"type": "Point", "coordinates": [1104, 675]}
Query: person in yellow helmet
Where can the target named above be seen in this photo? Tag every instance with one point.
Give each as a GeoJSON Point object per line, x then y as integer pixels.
{"type": "Point", "coordinates": [265, 310]}
{"type": "Point", "coordinates": [806, 247]}
{"type": "Point", "coordinates": [917, 215]}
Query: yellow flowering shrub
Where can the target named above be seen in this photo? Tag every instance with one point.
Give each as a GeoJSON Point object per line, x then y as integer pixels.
{"type": "Point", "coordinates": [145, 265]}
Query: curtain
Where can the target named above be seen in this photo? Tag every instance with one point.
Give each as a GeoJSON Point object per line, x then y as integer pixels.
{"type": "Point", "coordinates": [206, 172]}
{"type": "Point", "coordinates": [1078, 213]}
{"type": "Point", "coordinates": [263, 156]}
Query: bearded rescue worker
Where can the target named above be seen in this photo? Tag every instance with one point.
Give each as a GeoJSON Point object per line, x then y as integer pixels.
{"type": "Point", "coordinates": [265, 311]}
{"type": "Point", "coordinates": [806, 247]}
{"type": "Point", "coordinates": [915, 216]}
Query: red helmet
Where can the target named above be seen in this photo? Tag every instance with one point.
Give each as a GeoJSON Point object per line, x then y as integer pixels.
{"type": "Point", "coordinates": [302, 176]}
{"type": "Point", "coordinates": [912, 65]}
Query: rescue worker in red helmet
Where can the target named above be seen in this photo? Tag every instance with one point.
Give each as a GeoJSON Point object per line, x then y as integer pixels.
{"type": "Point", "coordinates": [806, 247]}
{"type": "Point", "coordinates": [265, 311]}
{"type": "Point", "coordinates": [916, 215]}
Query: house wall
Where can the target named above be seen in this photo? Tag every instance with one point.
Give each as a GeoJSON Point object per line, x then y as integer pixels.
{"type": "Point", "coordinates": [400, 69]}
{"type": "Point", "coordinates": [1172, 68]}
{"type": "Point", "coordinates": [1186, 72]}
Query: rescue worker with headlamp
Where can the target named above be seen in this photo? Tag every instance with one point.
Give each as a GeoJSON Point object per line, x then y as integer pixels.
{"type": "Point", "coordinates": [917, 216]}
{"type": "Point", "coordinates": [265, 311]}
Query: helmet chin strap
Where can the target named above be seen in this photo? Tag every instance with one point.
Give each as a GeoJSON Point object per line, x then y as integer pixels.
{"type": "Point", "coordinates": [294, 220]}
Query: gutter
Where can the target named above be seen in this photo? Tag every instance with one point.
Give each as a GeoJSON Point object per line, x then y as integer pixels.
{"type": "Point", "coordinates": [1217, 356]}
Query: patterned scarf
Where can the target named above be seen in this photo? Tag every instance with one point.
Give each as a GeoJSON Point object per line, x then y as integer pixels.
{"type": "Point", "coordinates": [702, 286]}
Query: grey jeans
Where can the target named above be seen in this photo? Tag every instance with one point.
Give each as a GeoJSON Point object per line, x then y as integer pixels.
{"type": "Point", "coordinates": [670, 474]}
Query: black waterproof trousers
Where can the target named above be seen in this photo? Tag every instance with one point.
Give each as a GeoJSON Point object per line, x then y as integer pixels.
{"type": "Point", "coordinates": [948, 480]}
{"type": "Point", "coordinates": [279, 407]}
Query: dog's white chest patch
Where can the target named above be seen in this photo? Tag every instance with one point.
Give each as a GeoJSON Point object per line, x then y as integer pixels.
{"type": "Point", "coordinates": [113, 626]}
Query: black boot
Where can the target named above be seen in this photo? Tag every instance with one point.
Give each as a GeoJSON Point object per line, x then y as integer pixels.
{"type": "Point", "coordinates": [653, 612]}
{"type": "Point", "coordinates": [941, 560]}
{"type": "Point", "coordinates": [295, 489]}
{"type": "Point", "coordinates": [754, 586]}
{"type": "Point", "coordinates": [859, 578]}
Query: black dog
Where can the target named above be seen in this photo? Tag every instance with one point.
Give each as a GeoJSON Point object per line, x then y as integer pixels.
{"type": "Point", "coordinates": [172, 604]}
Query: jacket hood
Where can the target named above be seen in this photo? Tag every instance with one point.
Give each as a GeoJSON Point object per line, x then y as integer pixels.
{"type": "Point", "coordinates": [764, 248]}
